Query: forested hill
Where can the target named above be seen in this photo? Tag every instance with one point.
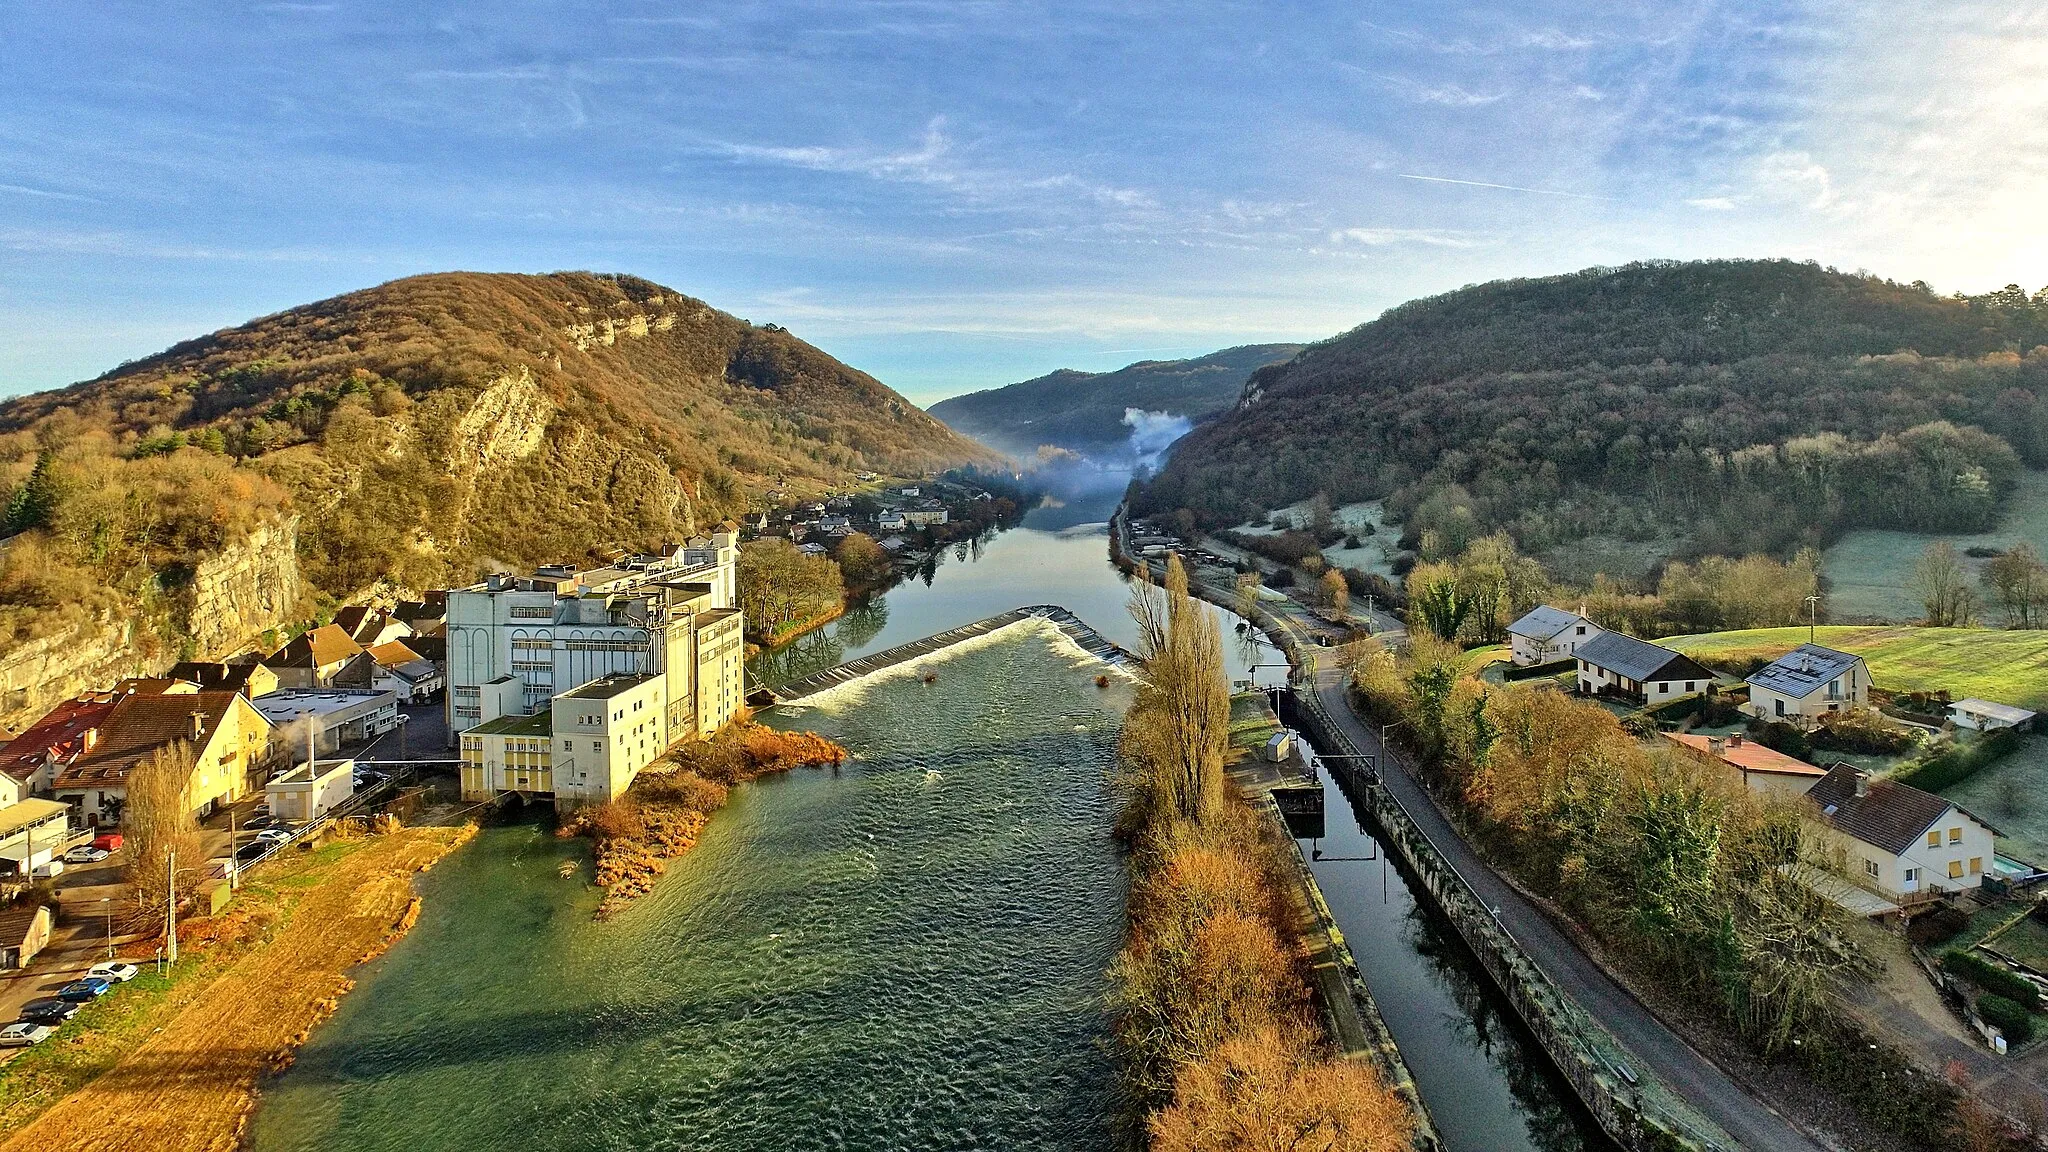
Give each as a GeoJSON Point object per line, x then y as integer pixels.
{"type": "Point", "coordinates": [416, 430]}
{"type": "Point", "coordinates": [1084, 411]}
{"type": "Point", "coordinates": [1733, 405]}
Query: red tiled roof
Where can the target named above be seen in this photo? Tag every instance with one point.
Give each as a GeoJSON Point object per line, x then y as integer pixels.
{"type": "Point", "coordinates": [60, 734]}
{"type": "Point", "coordinates": [139, 725]}
{"type": "Point", "coordinates": [392, 653]}
{"type": "Point", "coordinates": [1750, 756]}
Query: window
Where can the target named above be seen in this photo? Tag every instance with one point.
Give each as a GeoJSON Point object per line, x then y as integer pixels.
{"type": "Point", "coordinates": [1778, 703]}
{"type": "Point", "coordinates": [1976, 865]}
{"type": "Point", "coordinates": [1955, 869]}
{"type": "Point", "coordinates": [597, 745]}
{"type": "Point", "coordinates": [1870, 869]}
{"type": "Point", "coordinates": [1912, 875]}
{"type": "Point", "coordinates": [1663, 686]}
{"type": "Point", "coordinates": [1934, 838]}
{"type": "Point", "coordinates": [565, 746]}
{"type": "Point", "coordinates": [1689, 685]}
{"type": "Point", "coordinates": [1955, 835]}
{"type": "Point", "coordinates": [1582, 629]}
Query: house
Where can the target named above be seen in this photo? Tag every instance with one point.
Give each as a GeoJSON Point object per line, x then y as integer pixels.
{"type": "Point", "coordinates": [369, 626]}
{"type": "Point", "coordinates": [154, 686]}
{"type": "Point", "coordinates": [923, 517]}
{"type": "Point", "coordinates": [404, 672]}
{"type": "Point", "coordinates": [1545, 634]}
{"type": "Point", "coordinates": [1808, 682]}
{"type": "Point", "coordinates": [322, 657]}
{"type": "Point", "coordinates": [1898, 841]}
{"type": "Point", "coordinates": [1612, 664]}
{"type": "Point", "coordinates": [330, 717]}
{"type": "Point", "coordinates": [813, 549]}
{"type": "Point", "coordinates": [891, 520]}
{"type": "Point", "coordinates": [308, 791]}
{"type": "Point", "coordinates": [223, 730]}
{"type": "Point", "coordinates": [1986, 715]}
{"type": "Point", "coordinates": [1755, 767]}
{"type": "Point", "coordinates": [24, 930]}
{"type": "Point", "coordinates": [31, 761]}
{"type": "Point", "coordinates": [425, 615]}
{"type": "Point", "coordinates": [248, 679]}
{"type": "Point", "coordinates": [31, 834]}
{"type": "Point", "coordinates": [913, 490]}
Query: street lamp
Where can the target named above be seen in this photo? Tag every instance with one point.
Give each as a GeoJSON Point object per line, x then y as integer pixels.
{"type": "Point", "coordinates": [107, 906]}
{"type": "Point", "coordinates": [403, 720]}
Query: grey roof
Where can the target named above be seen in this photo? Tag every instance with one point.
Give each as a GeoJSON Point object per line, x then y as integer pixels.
{"type": "Point", "coordinates": [1542, 622]}
{"type": "Point", "coordinates": [1993, 709]}
{"type": "Point", "coordinates": [1639, 660]}
{"type": "Point", "coordinates": [1798, 672]}
{"type": "Point", "coordinates": [1891, 816]}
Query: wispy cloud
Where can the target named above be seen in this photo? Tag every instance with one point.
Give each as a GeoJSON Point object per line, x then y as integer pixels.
{"type": "Point", "coordinates": [45, 193]}
{"type": "Point", "coordinates": [1384, 237]}
{"type": "Point", "coordinates": [1501, 187]}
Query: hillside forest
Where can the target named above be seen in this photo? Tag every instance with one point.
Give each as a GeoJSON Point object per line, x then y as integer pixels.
{"type": "Point", "coordinates": [1719, 408]}
{"type": "Point", "coordinates": [414, 433]}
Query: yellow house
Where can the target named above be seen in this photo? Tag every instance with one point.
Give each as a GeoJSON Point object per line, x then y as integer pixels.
{"type": "Point", "coordinates": [224, 732]}
{"type": "Point", "coordinates": [509, 754]}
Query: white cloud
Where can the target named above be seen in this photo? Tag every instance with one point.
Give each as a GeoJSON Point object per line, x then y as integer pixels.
{"type": "Point", "coordinates": [1795, 176]}
{"type": "Point", "coordinates": [1384, 237]}
{"type": "Point", "coordinates": [1713, 203]}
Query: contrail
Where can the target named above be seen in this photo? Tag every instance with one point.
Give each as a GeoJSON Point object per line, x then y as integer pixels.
{"type": "Point", "coordinates": [1503, 187]}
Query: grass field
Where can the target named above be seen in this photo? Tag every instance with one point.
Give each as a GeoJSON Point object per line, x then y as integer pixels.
{"type": "Point", "coordinates": [2009, 667]}
{"type": "Point", "coordinates": [2012, 795]}
{"type": "Point", "coordinates": [1868, 571]}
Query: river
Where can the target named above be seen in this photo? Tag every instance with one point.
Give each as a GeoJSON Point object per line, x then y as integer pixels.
{"type": "Point", "coordinates": [906, 954]}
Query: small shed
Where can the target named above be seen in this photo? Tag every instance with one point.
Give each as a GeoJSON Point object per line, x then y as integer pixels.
{"type": "Point", "coordinates": [306, 792]}
{"type": "Point", "coordinates": [24, 929]}
{"type": "Point", "coordinates": [1987, 715]}
{"type": "Point", "coordinates": [1280, 747]}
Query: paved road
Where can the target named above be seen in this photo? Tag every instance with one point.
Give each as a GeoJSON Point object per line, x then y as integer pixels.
{"type": "Point", "coordinates": [1702, 1083]}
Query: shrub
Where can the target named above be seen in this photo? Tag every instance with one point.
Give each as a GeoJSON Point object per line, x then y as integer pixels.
{"type": "Point", "coordinates": [1259, 1087]}
{"type": "Point", "coordinates": [2008, 1016]}
{"type": "Point", "coordinates": [1991, 978]}
{"type": "Point", "coordinates": [1959, 762]}
{"type": "Point", "coordinates": [1861, 730]}
{"type": "Point", "coordinates": [1781, 737]}
{"type": "Point", "coordinates": [1937, 926]}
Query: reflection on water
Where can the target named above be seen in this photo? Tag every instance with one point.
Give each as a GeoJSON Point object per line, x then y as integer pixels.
{"type": "Point", "coordinates": [907, 954]}
{"type": "Point", "coordinates": [1485, 1082]}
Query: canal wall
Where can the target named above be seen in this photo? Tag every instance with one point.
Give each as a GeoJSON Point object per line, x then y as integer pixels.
{"type": "Point", "coordinates": [1631, 1107]}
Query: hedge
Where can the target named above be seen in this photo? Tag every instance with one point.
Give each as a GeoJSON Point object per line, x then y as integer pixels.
{"type": "Point", "coordinates": [1554, 668]}
{"type": "Point", "coordinates": [2009, 1017]}
{"type": "Point", "coordinates": [1960, 762]}
{"type": "Point", "coordinates": [1991, 978]}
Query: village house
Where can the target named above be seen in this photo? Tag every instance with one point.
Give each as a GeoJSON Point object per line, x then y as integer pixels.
{"type": "Point", "coordinates": [251, 679]}
{"type": "Point", "coordinates": [1755, 767]}
{"type": "Point", "coordinates": [31, 761]}
{"type": "Point", "coordinates": [891, 520]}
{"type": "Point", "coordinates": [924, 516]}
{"type": "Point", "coordinates": [370, 627]}
{"type": "Point", "coordinates": [404, 673]}
{"type": "Point", "coordinates": [425, 615]}
{"type": "Point", "coordinates": [1988, 716]}
{"type": "Point", "coordinates": [1808, 682]}
{"type": "Point", "coordinates": [321, 658]}
{"type": "Point", "coordinates": [1624, 667]}
{"type": "Point", "coordinates": [1897, 841]}
{"type": "Point", "coordinates": [224, 731]}
{"type": "Point", "coordinates": [24, 931]}
{"type": "Point", "coordinates": [1546, 634]}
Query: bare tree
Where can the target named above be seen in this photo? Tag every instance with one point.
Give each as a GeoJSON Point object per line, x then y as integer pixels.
{"type": "Point", "coordinates": [2017, 581]}
{"type": "Point", "coordinates": [1943, 584]}
{"type": "Point", "coordinates": [1179, 727]}
{"type": "Point", "coordinates": [1336, 593]}
{"type": "Point", "coordinates": [156, 821]}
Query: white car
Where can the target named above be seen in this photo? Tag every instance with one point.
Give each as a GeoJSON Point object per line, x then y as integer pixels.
{"type": "Point", "coordinates": [23, 1033]}
{"type": "Point", "coordinates": [86, 854]}
{"type": "Point", "coordinates": [118, 971]}
{"type": "Point", "coordinates": [277, 834]}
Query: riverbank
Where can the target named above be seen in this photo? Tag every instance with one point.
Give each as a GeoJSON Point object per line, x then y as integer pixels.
{"type": "Point", "coordinates": [181, 1066]}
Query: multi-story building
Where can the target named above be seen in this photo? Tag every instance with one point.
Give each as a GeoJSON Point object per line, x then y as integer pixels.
{"type": "Point", "coordinates": [562, 627]}
{"type": "Point", "coordinates": [604, 733]}
{"type": "Point", "coordinates": [509, 754]}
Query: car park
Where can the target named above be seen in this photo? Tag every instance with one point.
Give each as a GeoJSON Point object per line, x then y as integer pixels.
{"type": "Point", "coordinates": [261, 820]}
{"type": "Point", "coordinates": [48, 1010]}
{"type": "Point", "coordinates": [23, 1033]}
{"type": "Point", "coordinates": [85, 989]}
{"type": "Point", "coordinates": [117, 971]}
{"type": "Point", "coordinates": [86, 854]}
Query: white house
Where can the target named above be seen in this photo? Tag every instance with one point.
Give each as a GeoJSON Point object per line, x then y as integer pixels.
{"type": "Point", "coordinates": [923, 517]}
{"type": "Point", "coordinates": [891, 520]}
{"type": "Point", "coordinates": [1612, 664]}
{"type": "Point", "coordinates": [1986, 715]}
{"type": "Point", "coordinates": [1898, 841]}
{"type": "Point", "coordinates": [1808, 682]}
{"type": "Point", "coordinates": [1546, 634]}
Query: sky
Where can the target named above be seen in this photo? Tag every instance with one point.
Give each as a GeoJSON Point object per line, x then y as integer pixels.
{"type": "Point", "coordinates": [956, 195]}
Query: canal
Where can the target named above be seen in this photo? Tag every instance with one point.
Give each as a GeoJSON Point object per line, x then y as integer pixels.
{"type": "Point", "coordinates": [905, 954]}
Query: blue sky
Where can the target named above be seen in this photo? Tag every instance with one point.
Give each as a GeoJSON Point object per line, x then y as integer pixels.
{"type": "Point", "coordinates": [957, 195]}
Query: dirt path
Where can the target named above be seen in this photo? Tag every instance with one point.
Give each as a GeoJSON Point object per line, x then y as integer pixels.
{"type": "Point", "coordinates": [192, 1086]}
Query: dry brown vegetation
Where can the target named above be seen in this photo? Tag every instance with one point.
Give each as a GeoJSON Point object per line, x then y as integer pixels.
{"type": "Point", "coordinates": [182, 1072]}
{"type": "Point", "coordinates": [157, 823]}
{"type": "Point", "coordinates": [1219, 1045]}
{"type": "Point", "coordinates": [662, 814]}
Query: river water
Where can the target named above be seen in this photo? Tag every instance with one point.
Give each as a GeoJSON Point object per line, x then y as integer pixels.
{"type": "Point", "coordinates": [906, 954]}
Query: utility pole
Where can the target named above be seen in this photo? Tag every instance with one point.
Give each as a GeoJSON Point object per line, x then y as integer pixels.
{"type": "Point", "coordinates": [1812, 617]}
{"type": "Point", "coordinates": [171, 911]}
{"type": "Point", "coordinates": [107, 906]}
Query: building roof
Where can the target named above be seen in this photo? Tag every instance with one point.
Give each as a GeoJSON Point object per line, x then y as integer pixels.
{"type": "Point", "coordinates": [1748, 755]}
{"type": "Point", "coordinates": [138, 726]}
{"type": "Point", "coordinates": [155, 685]}
{"type": "Point", "coordinates": [606, 687]}
{"type": "Point", "coordinates": [1798, 672]}
{"type": "Point", "coordinates": [1891, 816]}
{"type": "Point", "coordinates": [220, 677]}
{"type": "Point", "coordinates": [1993, 709]}
{"type": "Point", "coordinates": [541, 723]}
{"type": "Point", "coordinates": [352, 617]}
{"type": "Point", "coordinates": [1542, 622]}
{"type": "Point", "coordinates": [62, 734]}
{"type": "Point", "coordinates": [19, 919]}
{"type": "Point", "coordinates": [392, 653]}
{"type": "Point", "coordinates": [327, 644]}
{"type": "Point", "coordinates": [287, 704]}
{"type": "Point", "coordinates": [28, 814]}
{"type": "Point", "coordinates": [1639, 660]}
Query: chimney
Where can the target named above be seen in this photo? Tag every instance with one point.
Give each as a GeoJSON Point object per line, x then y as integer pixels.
{"type": "Point", "coordinates": [1735, 739]}
{"type": "Point", "coordinates": [1862, 783]}
{"type": "Point", "coordinates": [198, 724]}
{"type": "Point", "coordinates": [1715, 744]}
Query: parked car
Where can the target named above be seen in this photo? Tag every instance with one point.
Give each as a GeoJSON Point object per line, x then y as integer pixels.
{"type": "Point", "coordinates": [110, 841]}
{"type": "Point", "coordinates": [85, 989]}
{"type": "Point", "coordinates": [262, 809]}
{"type": "Point", "coordinates": [117, 971]}
{"type": "Point", "coordinates": [48, 1010]}
{"type": "Point", "coordinates": [86, 854]}
{"type": "Point", "coordinates": [275, 835]}
{"type": "Point", "coordinates": [263, 820]}
{"type": "Point", "coordinates": [23, 1033]}
{"type": "Point", "coordinates": [253, 851]}
{"type": "Point", "coordinates": [49, 871]}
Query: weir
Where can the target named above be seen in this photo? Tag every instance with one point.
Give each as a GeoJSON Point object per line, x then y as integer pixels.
{"type": "Point", "coordinates": [1073, 626]}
